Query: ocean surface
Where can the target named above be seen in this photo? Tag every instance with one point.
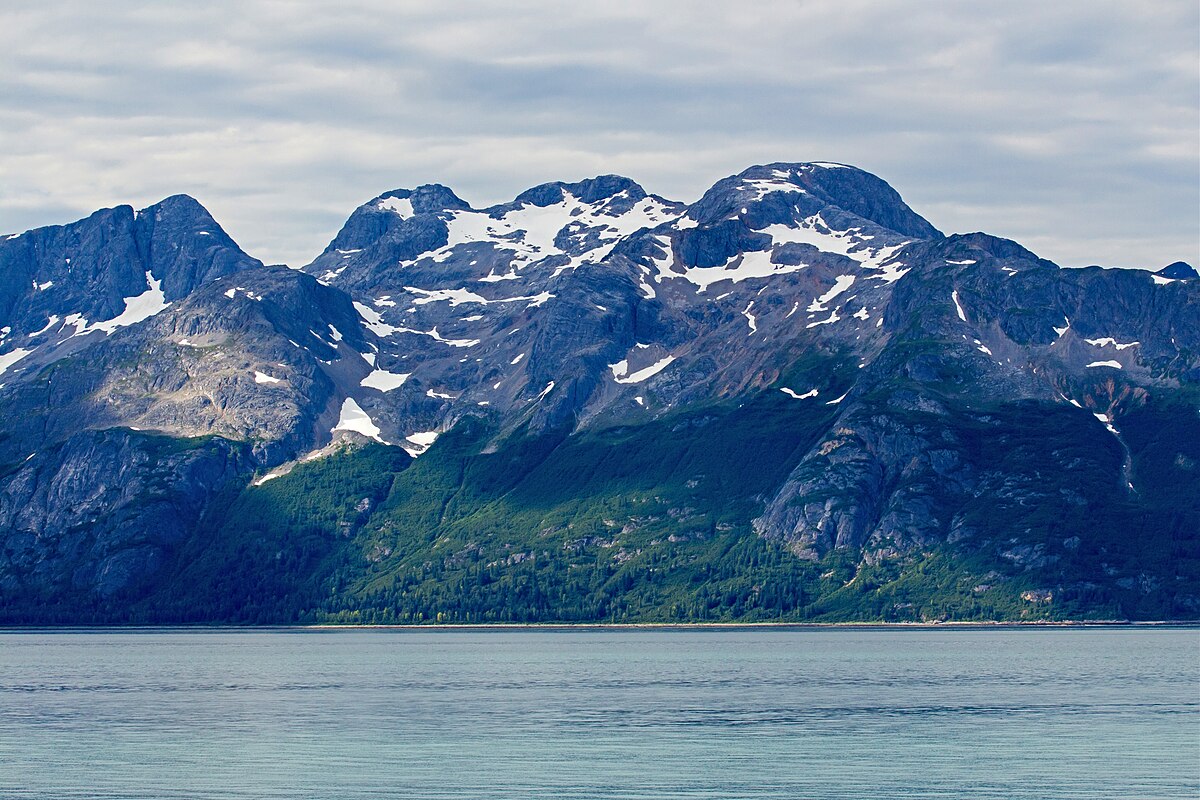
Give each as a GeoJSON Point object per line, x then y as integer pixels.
{"type": "Point", "coordinates": [602, 713]}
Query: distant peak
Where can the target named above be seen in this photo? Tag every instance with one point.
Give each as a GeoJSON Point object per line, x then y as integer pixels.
{"type": "Point", "coordinates": [178, 209]}
{"type": "Point", "coordinates": [177, 203]}
{"type": "Point", "coordinates": [801, 166]}
{"type": "Point", "coordinates": [604, 186]}
{"type": "Point", "coordinates": [826, 183]}
{"type": "Point", "coordinates": [590, 190]}
{"type": "Point", "coordinates": [1179, 270]}
{"type": "Point", "coordinates": [428, 198]}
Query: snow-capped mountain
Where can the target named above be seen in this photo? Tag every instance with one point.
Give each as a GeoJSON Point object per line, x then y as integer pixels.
{"type": "Point", "coordinates": [150, 367]}
{"type": "Point", "coordinates": [563, 304]}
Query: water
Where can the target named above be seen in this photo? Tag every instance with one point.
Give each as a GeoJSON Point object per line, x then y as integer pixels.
{"type": "Point", "coordinates": [483, 714]}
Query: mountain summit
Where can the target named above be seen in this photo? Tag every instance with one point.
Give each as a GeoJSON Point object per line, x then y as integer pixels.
{"type": "Point", "coordinates": [792, 399]}
{"type": "Point", "coordinates": [1179, 270]}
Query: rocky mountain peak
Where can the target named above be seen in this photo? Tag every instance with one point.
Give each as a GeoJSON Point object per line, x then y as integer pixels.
{"type": "Point", "coordinates": [1179, 270]}
{"type": "Point", "coordinates": [183, 246]}
{"type": "Point", "coordinates": [179, 205]}
{"type": "Point", "coordinates": [428, 198]}
{"type": "Point", "coordinates": [590, 190]}
{"type": "Point", "coordinates": [112, 269]}
{"type": "Point", "coordinates": [807, 189]}
{"type": "Point", "coordinates": [45, 268]}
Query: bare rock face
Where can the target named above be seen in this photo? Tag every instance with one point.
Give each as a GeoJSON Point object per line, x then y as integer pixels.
{"type": "Point", "coordinates": [102, 510]}
{"type": "Point", "coordinates": [60, 279]}
{"type": "Point", "coordinates": [983, 336]}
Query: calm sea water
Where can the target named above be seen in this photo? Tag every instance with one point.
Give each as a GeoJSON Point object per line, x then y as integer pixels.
{"type": "Point", "coordinates": [758, 713]}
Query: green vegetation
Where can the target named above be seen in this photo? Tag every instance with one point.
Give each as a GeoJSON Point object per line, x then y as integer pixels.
{"type": "Point", "coordinates": [262, 549]}
{"type": "Point", "coordinates": [653, 524]}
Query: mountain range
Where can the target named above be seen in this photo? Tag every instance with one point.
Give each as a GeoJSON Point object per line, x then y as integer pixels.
{"type": "Point", "coordinates": [794, 399]}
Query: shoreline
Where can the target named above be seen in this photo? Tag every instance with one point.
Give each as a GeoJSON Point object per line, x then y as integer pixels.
{"type": "Point", "coordinates": [614, 626]}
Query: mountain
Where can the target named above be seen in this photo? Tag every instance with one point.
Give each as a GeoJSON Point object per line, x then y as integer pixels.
{"type": "Point", "coordinates": [1178, 271]}
{"type": "Point", "coordinates": [792, 399]}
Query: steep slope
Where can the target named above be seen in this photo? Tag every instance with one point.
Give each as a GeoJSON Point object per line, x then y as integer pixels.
{"type": "Point", "coordinates": [125, 419]}
{"type": "Point", "coordinates": [111, 270]}
{"type": "Point", "coordinates": [1002, 423]}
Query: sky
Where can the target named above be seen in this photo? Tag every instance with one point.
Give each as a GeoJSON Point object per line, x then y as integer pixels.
{"type": "Point", "coordinates": [1072, 127]}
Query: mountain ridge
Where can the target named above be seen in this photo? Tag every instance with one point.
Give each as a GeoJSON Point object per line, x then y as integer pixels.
{"type": "Point", "coordinates": [893, 381]}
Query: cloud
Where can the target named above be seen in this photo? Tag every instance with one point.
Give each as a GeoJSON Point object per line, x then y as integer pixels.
{"type": "Point", "coordinates": [1071, 128]}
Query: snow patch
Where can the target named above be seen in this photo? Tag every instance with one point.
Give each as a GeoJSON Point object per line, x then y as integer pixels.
{"type": "Point", "coordinates": [850, 243]}
{"type": "Point", "coordinates": [750, 319]}
{"type": "Point", "coordinates": [398, 205]}
{"type": "Point", "coordinates": [529, 231]}
{"type": "Point", "coordinates": [753, 264]}
{"type": "Point", "coordinates": [374, 320]}
{"type": "Point", "coordinates": [1113, 364]}
{"type": "Point", "coordinates": [439, 338]}
{"type": "Point", "coordinates": [510, 276]}
{"type": "Point", "coordinates": [458, 297]}
{"type": "Point", "coordinates": [353, 418]}
{"type": "Point", "coordinates": [12, 357]}
{"type": "Point", "coordinates": [833, 317]}
{"type": "Point", "coordinates": [53, 319]}
{"type": "Point", "coordinates": [455, 297]}
{"type": "Point", "coordinates": [420, 441]}
{"type": "Point", "coordinates": [1108, 423]}
{"type": "Point", "coordinates": [890, 273]}
{"type": "Point", "coordinates": [622, 367]}
{"type": "Point", "coordinates": [958, 306]}
{"type": "Point", "coordinates": [840, 284]}
{"type": "Point", "coordinates": [384, 381]}
{"type": "Point", "coordinates": [758, 188]}
{"type": "Point", "coordinates": [805, 396]}
{"type": "Point", "coordinates": [262, 377]}
{"type": "Point", "coordinates": [1108, 341]}
{"type": "Point", "coordinates": [137, 309]}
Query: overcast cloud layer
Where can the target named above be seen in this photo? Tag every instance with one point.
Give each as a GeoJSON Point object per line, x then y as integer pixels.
{"type": "Point", "coordinates": [1073, 126]}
